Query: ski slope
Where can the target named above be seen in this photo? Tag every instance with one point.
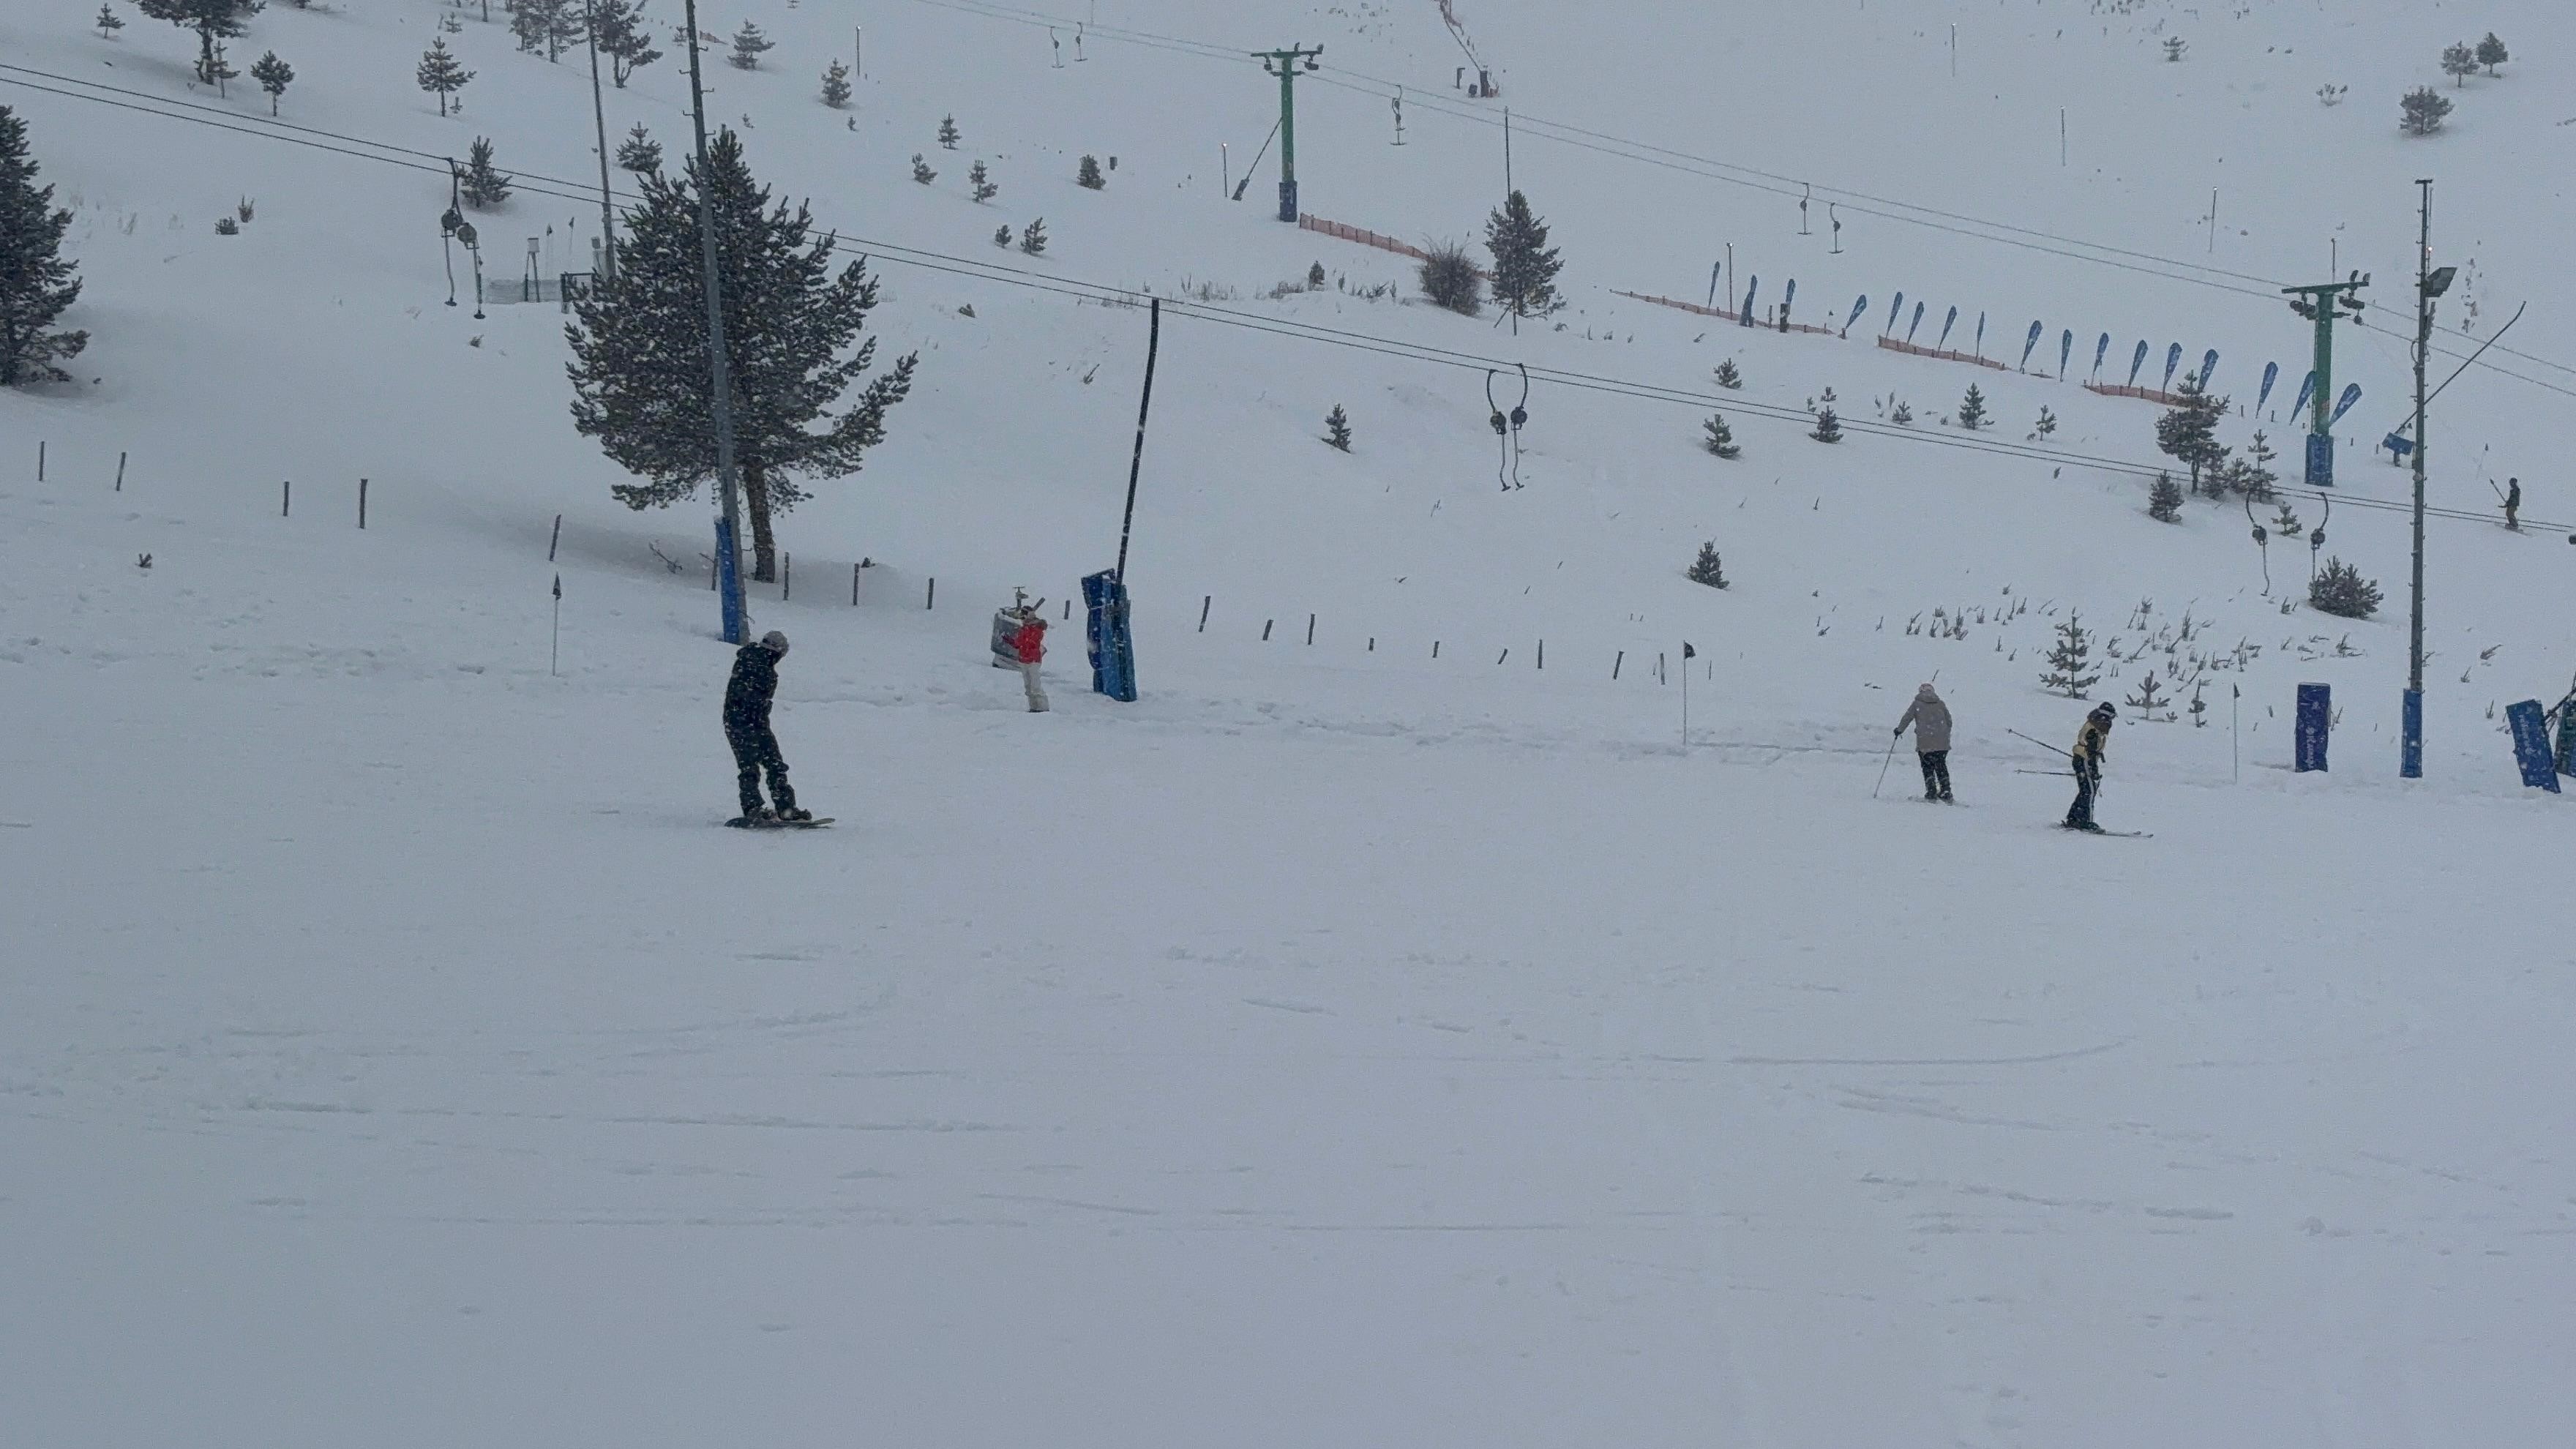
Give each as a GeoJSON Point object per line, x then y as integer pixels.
{"type": "Point", "coordinates": [1381, 1039]}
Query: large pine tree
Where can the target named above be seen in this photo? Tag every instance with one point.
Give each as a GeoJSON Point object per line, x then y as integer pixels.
{"type": "Point", "coordinates": [36, 284]}
{"type": "Point", "coordinates": [625, 37]}
{"type": "Point", "coordinates": [1525, 266]}
{"type": "Point", "coordinates": [641, 366]}
{"type": "Point", "coordinates": [2189, 433]}
{"type": "Point", "coordinates": [213, 20]}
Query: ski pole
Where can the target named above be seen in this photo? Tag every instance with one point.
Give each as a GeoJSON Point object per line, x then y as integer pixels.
{"type": "Point", "coordinates": [2043, 744]}
{"type": "Point", "coordinates": [1884, 764]}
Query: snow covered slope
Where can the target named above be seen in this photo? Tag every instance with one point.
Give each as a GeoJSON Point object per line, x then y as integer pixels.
{"type": "Point", "coordinates": [1377, 1040]}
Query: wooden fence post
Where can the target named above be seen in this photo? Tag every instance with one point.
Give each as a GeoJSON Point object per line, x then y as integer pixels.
{"type": "Point", "coordinates": [931, 599]}
{"type": "Point", "coordinates": [1615, 663]}
{"type": "Point", "coordinates": [362, 504]}
{"type": "Point", "coordinates": [1310, 631]}
{"type": "Point", "coordinates": [286, 498]}
{"type": "Point", "coordinates": [120, 470]}
{"type": "Point", "coordinates": [40, 460]}
{"type": "Point", "coordinates": [1265, 629]}
{"type": "Point", "coordinates": [854, 586]}
{"type": "Point", "coordinates": [556, 541]}
{"type": "Point", "coordinates": [1206, 603]}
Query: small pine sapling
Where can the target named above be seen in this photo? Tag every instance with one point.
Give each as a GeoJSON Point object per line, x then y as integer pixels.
{"type": "Point", "coordinates": [2199, 707]}
{"type": "Point", "coordinates": [2491, 53]}
{"type": "Point", "coordinates": [2340, 590]}
{"type": "Point", "coordinates": [1728, 377]}
{"type": "Point", "coordinates": [981, 182]}
{"type": "Point", "coordinates": [1033, 237]}
{"type": "Point", "coordinates": [2422, 111]}
{"type": "Point", "coordinates": [2047, 426]}
{"type": "Point", "coordinates": [2070, 661]}
{"type": "Point", "coordinates": [2253, 475]}
{"type": "Point", "coordinates": [1972, 409]}
{"type": "Point", "coordinates": [948, 133]}
{"type": "Point", "coordinates": [107, 22]}
{"type": "Point", "coordinates": [1829, 428]}
{"type": "Point", "coordinates": [2164, 500]}
{"type": "Point", "coordinates": [226, 226]}
{"type": "Point", "coordinates": [1002, 235]}
{"type": "Point", "coordinates": [1719, 439]}
{"type": "Point", "coordinates": [748, 43]}
{"type": "Point", "coordinates": [440, 74]}
{"type": "Point", "coordinates": [2460, 61]}
{"type": "Point", "coordinates": [2331, 94]}
{"type": "Point", "coordinates": [1087, 175]}
{"type": "Point", "coordinates": [1707, 569]}
{"type": "Point", "coordinates": [1315, 277]}
{"type": "Point", "coordinates": [1903, 417]}
{"type": "Point", "coordinates": [449, 24]}
{"type": "Point", "coordinates": [2146, 701]}
{"type": "Point", "coordinates": [2287, 524]}
{"type": "Point", "coordinates": [484, 186]}
{"type": "Point", "coordinates": [836, 86]}
{"type": "Point", "coordinates": [921, 171]}
{"type": "Point", "coordinates": [1337, 428]}
{"type": "Point", "coordinates": [274, 76]}
{"type": "Point", "coordinates": [2175, 45]}
{"type": "Point", "coordinates": [639, 152]}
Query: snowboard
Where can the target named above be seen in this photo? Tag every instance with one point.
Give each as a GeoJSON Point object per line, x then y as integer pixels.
{"type": "Point", "coordinates": [743, 822]}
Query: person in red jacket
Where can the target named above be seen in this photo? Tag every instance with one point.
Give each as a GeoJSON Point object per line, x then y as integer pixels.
{"type": "Point", "coordinates": [1028, 641]}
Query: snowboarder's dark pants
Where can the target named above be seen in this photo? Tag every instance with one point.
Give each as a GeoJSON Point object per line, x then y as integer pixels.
{"type": "Point", "coordinates": [1936, 774]}
{"type": "Point", "coordinates": [755, 750]}
{"type": "Point", "coordinates": [2087, 780]}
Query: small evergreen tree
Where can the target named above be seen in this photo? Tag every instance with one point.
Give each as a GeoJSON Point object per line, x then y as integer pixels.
{"type": "Point", "coordinates": [1903, 417]}
{"type": "Point", "coordinates": [1707, 569]}
{"type": "Point", "coordinates": [2164, 500]}
{"type": "Point", "coordinates": [748, 43]}
{"type": "Point", "coordinates": [2146, 701]}
{"type": "Point", "coordinates": [2174, 47]}
{"type": "Point", "coordinates": [274, 76]}
{"type": "Point", "coordinates": [221, 70]}
{"type": "Point", "coordinates": [836, 86]}
{"type": "Point", "coordinates": [981, 182]}
{"type": "Point", "coordinates": [2339, 589]}
{"type": "Point", "coordinates": [1720, 439]}
{"type": "Point", "coordinates": [2189, 432]}
{"type": "Point", "coordinates": [2422, 111]}
{"type": "Point", "coordinates": [794, 337]}
{"type": "Point", "coordinates": [1728, 377]}
{"type": "Point", "coordinates": [1002, 236]}
{"type": "Point", "coordinates": [2491, 53]}
{"type": "Point", "coordinates": [448, 24]}
{"type": "Point", "coordinates": [1337, 428]}
{"type": "Point", "coordinates": [1315, 277]}
{"type": "Point", "coordinates": [1088, 176]}
{"type": "Point", "coordinates": [108, 22]}
{"type": "Point", "coordinates": [948, 133]}
{"type": "Point", "coordinates": [921, 171]}
{"type": "Point", "coordinates": [2460, 61]}
{"type": "Point", "coordinates": [1972, 409]}
{"type": "Point", "coordinates": [2199, 706]}
{"type": "Point", "coordinates": [213, 20]}
{"type": "Point", "coordinates": [1525, 266]}
{"type": "Point", "coordinates": [1829, 429]}
{"type": "Point", "coordinates": [439, 73]}
{"type": "Point", "coordinates": [2047, 424]}
{"type": "Point", "coordinates": [624, 37]}
{"type": "Point", "coordinates": [2070, 669]}
{"type": "Point", "coordinates": [484, 186]}
{"type": "Point", "coordinates": [1450, 279]}
{"type": "Point", "coordinates": [2287, 524]}
{"type": "Point", "coordinates": [639, 152]}
{"type": "Point", "coordinates": [2252, 475]}
{"type": "Point", "coordinates": [1033, 237]}
{"type": "Point", "coordinates": [36, 283]}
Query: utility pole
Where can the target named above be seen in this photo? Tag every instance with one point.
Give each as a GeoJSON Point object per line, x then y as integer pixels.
{"type": "Point", "coordinates": [1284, 64]}
{"type": "Point", "coordinates": [737, 615]}
{"type": "Point", "coordinates": [599, 119]}
{"type": "Point", "coordinates": [2325, 304]}
{"type": "Point", "coordinates": [2429, 287]}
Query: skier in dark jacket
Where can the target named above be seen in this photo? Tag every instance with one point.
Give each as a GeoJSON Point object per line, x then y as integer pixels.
{"type": "Point", "coordinates": [746, 725]}
{"type": "Point", "coordinates": [2090, 742]}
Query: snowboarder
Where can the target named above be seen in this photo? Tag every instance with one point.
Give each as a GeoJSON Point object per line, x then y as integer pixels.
{"type": "Point", "coordinates": [746, 724]}
{"type": "Point", "coordinates": [1028, 646]}
{"type": "Point", "coordinates": [1931, 721]}
{"type": "Point", "coordinates": [2090, 742]}
{"type": "Point", "coordinates": [2513, 504]}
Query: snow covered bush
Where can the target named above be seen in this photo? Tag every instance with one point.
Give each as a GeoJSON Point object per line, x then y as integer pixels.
{"type": "Point", "coordinates": [1087, 175]}
{"type": "Point", "coordinates": [2340, 590]}
{"type": "Point", "coordinates": [1450, 279]}
{"type": "Point", "coordinates": [921, 171]}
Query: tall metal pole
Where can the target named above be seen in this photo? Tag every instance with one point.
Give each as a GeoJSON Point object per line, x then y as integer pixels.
{"type": "Point", "coordinates": [1144, 410]}
{"type": "Point", "coordinates": [1283, 64]}
{"type": "Point", "coordinates": [1507, 195]}
{"type": "Point", "coordinates": [2411, 746]}
{"type": "Point", "coordinates": [599, 118]}
{"type": "Point", "coordinates": [737, 614]}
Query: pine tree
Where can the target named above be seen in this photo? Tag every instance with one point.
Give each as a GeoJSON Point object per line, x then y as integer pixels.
{"type": "Point", "coordinates": [948, 134]}
{"type": "Point", "coordinates": [2175, 45]}
{"type": "Point", "coordinates": [448, 24]}
{"type": "Point", "coordinates": [1728, 377]}
{"type": "Point", "coordinates": [2287, 524]}
{"type": "Point", "coordinates": [1088, 176]}
{"type": "Point", "coordinates": [484, 186]}
{"type": "Point", "coordinates": [1315, 277]}
{"type": "Point", "coordinates": [2146, 701]}
{"type": "Point", "coordinates": [213, 20]}
{"type": "Point", "coordinates": [640, 364]}
{"type": "Point", "coordinates": [1972, 409]}
{"type": "Point", "coordinates": [528, 24]}
{"type": "Point", "coordinates": [36, 283]}
{"type": "Point", "coordinates": [1450, 279]}
{"type": "Point", "coordinates": [2070, 670]}
{"type": "Point", "coordinates": [2047, 423]}
{"type": "Point", "coordinates": [2164, 500]}
{"type": "Point", "coordinates": [1337, 428]}
{"type": "Point", "coordinates": [1903, 417]}
{"type": "Point", "coordinates": [981, 183]}
{"type": "Point", "coordinates": [1033, 237]}
{"type": "Point", "coordinates": [2460, 61]}
{"type": "Point", "coordinates": [440, 74]}
{"type": "Point", "coordinates": [274, 76]}
{"type": "Point", "coordinates": [1707, 569]}
{"type": "Point", "coordinates": [2199, 706]}
{"type": "Point", "coordinates": [623, 37]}
{"type": "Point", "coordinates": [2491, 53]}
{"type": "Point", "coordinates": [639, 152]}
{"type": "Point", "coordinates": [1002, 236]}
{"type": "Point", "coordinates": [2339, 589]}
{"type": "Point", "coordinates": [836, 86]}
{"type": "Point", "coordinates": [221, 70]}
{"type": "Point", "coordinates": [748, 43]}
{"type": "Point", "coordinates": [2252, 475]}
{"type": "Point", "coordinates": [2189, 433]}
{"type": "Point", "coordinates": [2422, 111]}
{"type": "Point", "coordinates": [1829, 429]}
{"type": "Point", "coordinates": [921, 171]}
{"type": "Point", "coordinates": [1525, 266]}
{"type": "Point", "coordinates": [1720, 439]}
{"type": "Point", "coordinates": [108, 22]}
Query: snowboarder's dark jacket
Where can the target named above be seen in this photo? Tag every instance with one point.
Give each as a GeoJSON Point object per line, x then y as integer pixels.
{"type": "Point", "coordinates": [754, 685]}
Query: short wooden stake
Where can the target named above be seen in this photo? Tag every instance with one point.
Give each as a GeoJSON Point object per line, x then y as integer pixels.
{"type": "Point", "coordinates": [40, 460]}
{"type": "Point", "coordinates": [120, 470]}
{"type": "Point", "coordinates": [786, 576]}
{"type": "Point", "coordinates": [1372, 644]}
{"type": "Point", "coordinates": [1506, 654]}
{"type": "Point", "coordinates": [1265, 629]}
{"type": "Point", "coordinates": [854, 586]}
{"type": "Point", "coordinates": [1435, 648]}
{"type": "Point", "coordinates": [362, 503]}
{"type": "Point", "coordinates": [1310, 631]}
{"type": "Point", "coordinates": [555, 542]}
{"type": "Point", "coordinates": [1542, 654]}
{"type": "Point", "coordinates": [1615, 663]}
{"type": "Point", "coordinates": [931, 599]}
{"type": "Point", "coordinates": [1206, 602]}
{"type": "Point", "coordinates": [286, 498]}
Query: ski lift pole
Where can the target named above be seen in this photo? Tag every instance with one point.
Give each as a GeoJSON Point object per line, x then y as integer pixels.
{"type": "Point", "coordinates": [1136, 464]}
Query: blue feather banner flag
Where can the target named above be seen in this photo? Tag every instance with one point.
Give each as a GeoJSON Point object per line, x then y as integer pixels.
{"type": "Point", "coordinates": [1981, 334]}
{"type": "Point", "coordinates": [2208, 366]}
{"type": "Point", "coordinates": [2101, 349]}
{"type": "Point", "coordinates": [2307, 389]}
{"type": "Point", "coordinates": [2138, 360]}
{"type": "Point", "coordinates": [2032, 342]}
{"type": "Point", "coordinates": [2351, 395]}
{"type": "Point", "coordinates": [1947, 323]}
{"type": "Point", "coordinates": [2065, 350]}
{"type": "Point", "coordinates": [1857, 308]}
{"type": "Point", "coordinates": [2271, 375]}
{"type": "Point", "coordinates": [1915, 326]}
{"type": "Point", "coordinates": [2173, 360]}
{"type": "Point", "coordinates": [1893, 309]}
